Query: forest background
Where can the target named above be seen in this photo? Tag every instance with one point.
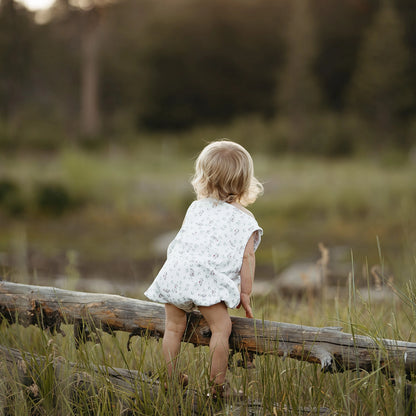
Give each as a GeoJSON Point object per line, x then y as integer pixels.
{"type": "Point", "coordinates": [104, 105]}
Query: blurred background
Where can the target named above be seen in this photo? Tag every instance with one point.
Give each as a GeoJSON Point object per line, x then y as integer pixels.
{"type": "Point", "coordinates": [105, 104]}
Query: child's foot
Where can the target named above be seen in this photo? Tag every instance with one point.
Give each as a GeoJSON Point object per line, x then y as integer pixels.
{"type": "Point", "coordinates": [183, 380]}
{"type": "Point", "coordinates": [225, 392]}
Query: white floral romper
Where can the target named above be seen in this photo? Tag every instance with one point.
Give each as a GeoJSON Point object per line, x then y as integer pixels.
{"type": "Point", "coordinates": [204, 260]}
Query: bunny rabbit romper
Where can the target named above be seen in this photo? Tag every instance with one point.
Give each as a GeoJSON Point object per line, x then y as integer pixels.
{"type": "Point", "coordinates": [204, 259]}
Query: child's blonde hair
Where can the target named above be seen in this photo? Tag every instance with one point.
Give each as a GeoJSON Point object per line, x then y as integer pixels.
{"type": "Point", "coordinates": [224, 171]}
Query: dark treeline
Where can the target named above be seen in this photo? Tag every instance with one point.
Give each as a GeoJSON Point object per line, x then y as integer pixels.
{"type": "Point", "coordinates": [320, 75]}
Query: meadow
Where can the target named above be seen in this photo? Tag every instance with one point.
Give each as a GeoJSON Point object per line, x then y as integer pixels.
{"type": "Point", "coordinates": [113, 205]}
{"type": "Point", "coordinates": [109, 207]}
{"type": "Point", "coordinates": [275, 386]}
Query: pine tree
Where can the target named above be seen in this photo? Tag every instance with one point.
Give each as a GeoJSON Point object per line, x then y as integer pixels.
{"type": "Point", "coordinates": [16, 46]}
{"type": "Point", "coordinates": [379, 89]}
{"type": "Point", "coordinates": [298, 96]}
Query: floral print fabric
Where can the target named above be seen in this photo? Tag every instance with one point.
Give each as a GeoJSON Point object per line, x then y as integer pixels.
{"type": "Point", "coordinates": [204, 260]}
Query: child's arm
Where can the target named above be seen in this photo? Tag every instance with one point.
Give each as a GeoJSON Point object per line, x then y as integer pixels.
{"type": "Point", "coordinates": [247, 276]}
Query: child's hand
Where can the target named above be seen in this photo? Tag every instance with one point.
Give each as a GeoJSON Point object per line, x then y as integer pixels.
{"type": "Point", "coordinates": [245, 303]}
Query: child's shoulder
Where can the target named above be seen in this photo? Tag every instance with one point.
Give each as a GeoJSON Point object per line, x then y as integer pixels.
{"type": "Point", "coordinates": [242, 208]}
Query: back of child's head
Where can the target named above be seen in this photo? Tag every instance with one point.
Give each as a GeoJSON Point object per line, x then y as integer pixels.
{"type": "Point", "coordinates": [224, 171]}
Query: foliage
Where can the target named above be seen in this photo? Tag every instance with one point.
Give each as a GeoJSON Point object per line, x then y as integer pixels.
{"type": "Point", "coordinates": [53, 198]}
{"type": "Point", "coordinates": [116, 203]}
{"type": "Point", "coordinates": [16, 45]}
{"type": "Point", "coordinates": [298, 94]}
{"type": "Point", "coordinates": [45, 198]}
{"type": "Point", "coordinates": [379, 88]}
{"type": "Point", "coordinates": [298, 90]}
{"type": "Point", "coordinates": [204, 63]}
{"type": "Point", "coordinates": [11, 198]}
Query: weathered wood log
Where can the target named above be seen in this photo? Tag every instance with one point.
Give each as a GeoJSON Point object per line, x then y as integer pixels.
{"type": "Point", "coordinates": [129, 388]}
{"type": "Point", "coordinates": [27, 365]}
{"type": "Point", "coordinates": [334, 350]}
{"type": "Point", "coordinates": [127, 384]}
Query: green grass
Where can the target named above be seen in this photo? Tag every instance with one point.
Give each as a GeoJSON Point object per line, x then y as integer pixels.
{"type": "Point", "coordinates": [275, 382]}
{"type": "Point", "coordinates": [124, 198]}
{"type": "Point", "coordinates": [128, 197]}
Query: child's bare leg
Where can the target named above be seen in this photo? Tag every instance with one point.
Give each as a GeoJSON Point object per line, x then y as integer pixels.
{"type": "Point", "coordinates": [174, 328]}
{"type": "Point", "coordinates": [220, 325]}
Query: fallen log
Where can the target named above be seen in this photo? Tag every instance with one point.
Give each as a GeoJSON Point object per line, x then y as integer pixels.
{"type": "Point", "coordinates": [333, 349]}
{"type": "Point", "coordinates": [128, 388]}
{"type": "Point", "coordinates": [27, 365]}
{"type": "Point", "coordinates": [131, 387]}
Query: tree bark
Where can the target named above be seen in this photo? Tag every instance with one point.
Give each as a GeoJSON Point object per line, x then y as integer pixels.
{"type": "Point", "coordinates": [334, 350]}
{"type": "Point", "coordinates": [125, 380]}
{"type": "Point", "coordinates": [135, 385]}
{"type": "Point", "coordinates": [90, 114]}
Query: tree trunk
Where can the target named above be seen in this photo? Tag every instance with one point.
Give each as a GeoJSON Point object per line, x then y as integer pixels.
{"type": "Point", "coordinates": [90, 118]}
{"type": "Point", "coordinates": [334, 350]}
{"type": "Point", "coordinates": [128, 381]}
{"type": "Point", "coordinates": [135, 385]}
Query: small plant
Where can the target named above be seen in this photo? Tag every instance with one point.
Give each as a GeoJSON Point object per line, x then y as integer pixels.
{"type": "Point", "coordinates": [11, 198]}
{"type": "Point", "coordinates": [7, 187]}
{"type": "Point", "coordinates": [53, 198]}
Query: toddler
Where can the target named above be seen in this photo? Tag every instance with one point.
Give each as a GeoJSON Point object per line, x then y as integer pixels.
{"type": "Point", "coordinates": [211, 256]}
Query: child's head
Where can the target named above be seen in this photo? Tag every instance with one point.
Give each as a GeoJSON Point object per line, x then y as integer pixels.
{"type": "Point", "coordinates": [224, 170]}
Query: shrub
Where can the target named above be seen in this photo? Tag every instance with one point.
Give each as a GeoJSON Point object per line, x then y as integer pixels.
{"type": "Point", "coordinates": [7, 187]}
{"type": "Point", "coordinates": [11, 199]}
{"type": "Point", "coordinates": [53, 198]}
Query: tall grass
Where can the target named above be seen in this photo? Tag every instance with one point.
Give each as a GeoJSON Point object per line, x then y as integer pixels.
{"type": "Point", "coordinates": [128, 198]}
{"type": "Point", "coordinates": [274, 386]}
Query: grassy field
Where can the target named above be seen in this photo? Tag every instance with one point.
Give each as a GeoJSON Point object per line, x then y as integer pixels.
{"type": "Point", "coordinates": [116, 202]}
{"type": "Point", "coordinates": [275, 383]}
